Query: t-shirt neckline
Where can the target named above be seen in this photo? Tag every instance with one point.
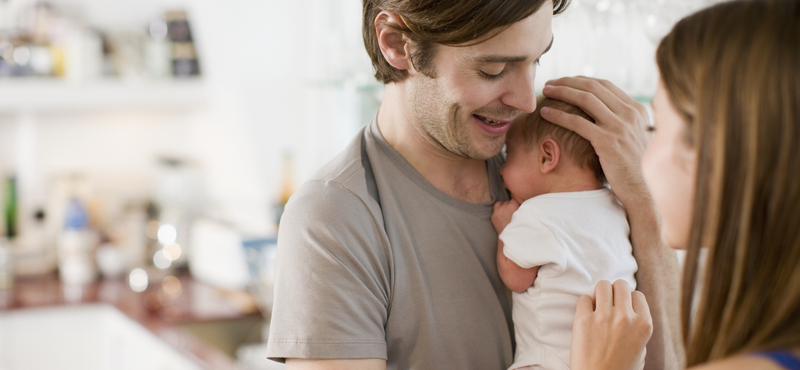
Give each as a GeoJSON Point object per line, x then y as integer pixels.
{"type": "Point", "coordinates": [374, 132]}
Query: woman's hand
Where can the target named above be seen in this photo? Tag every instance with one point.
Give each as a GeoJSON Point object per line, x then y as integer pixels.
{"type": "Point", "coordinates": [611, 329]}
{"type": "Point", "coordinates": [619, 136]}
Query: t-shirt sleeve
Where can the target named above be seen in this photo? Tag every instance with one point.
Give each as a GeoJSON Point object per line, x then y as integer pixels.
{"type": "Point", "coordinates": [529, 243]}
{"type": "Point", "coordinates": [331, 278]}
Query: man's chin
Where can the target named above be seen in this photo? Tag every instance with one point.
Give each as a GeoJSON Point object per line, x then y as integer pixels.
{"type": "Point", "coordinates": [485, 153]}
{"type": "Point", "coordinates": [480, 148]}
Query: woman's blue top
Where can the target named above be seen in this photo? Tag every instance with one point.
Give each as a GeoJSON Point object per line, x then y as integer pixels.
{"type": "Point", "coordinates": [787, 359]}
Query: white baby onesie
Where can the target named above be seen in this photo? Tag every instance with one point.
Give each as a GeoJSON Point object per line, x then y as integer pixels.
{"type": "Point", "coordinates": [578, 239]}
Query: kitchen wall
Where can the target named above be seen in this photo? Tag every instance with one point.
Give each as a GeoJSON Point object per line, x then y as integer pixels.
{"type": "Point", "coordinates": [265, 96]}
{"type": "Point", "coordinates": [280, 77]}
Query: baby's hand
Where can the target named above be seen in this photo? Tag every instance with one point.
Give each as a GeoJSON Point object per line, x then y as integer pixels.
{"type": "Point", "coordinates": [502, 214]}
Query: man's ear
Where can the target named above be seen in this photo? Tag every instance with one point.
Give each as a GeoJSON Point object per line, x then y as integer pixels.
{"type": "Point", "coordinates": [393, 43]}
{"type": "Point", "coordinates": [549, 155]}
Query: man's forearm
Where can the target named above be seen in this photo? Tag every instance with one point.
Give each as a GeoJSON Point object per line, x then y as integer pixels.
{"type": "Point", "coordinates": [658, 279]}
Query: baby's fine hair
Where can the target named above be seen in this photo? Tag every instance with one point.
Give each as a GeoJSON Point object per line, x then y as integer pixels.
{"type": "Point", "coordinates": [534, 129]}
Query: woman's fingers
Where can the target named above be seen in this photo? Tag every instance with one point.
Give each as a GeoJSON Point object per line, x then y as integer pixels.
{"type": "Point", "coordinates": [603, 297]}
{"type": "Point", "coordinates": [585, 306]}
{"type": "Point", "coordinates": [622, 294]}
{"type": "Point", "coordinates": [610, 336]}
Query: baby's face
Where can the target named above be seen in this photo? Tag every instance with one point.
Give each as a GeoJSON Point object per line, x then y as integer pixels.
{"type": "Point", "coordinates": [521, 173]}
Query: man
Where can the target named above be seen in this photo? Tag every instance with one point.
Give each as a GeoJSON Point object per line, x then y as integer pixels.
{"type": "Point", "coordinates": [386, 258]}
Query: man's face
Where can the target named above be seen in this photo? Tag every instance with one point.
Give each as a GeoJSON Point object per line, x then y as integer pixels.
{"type": "Point", "coordinates": [480, 89]}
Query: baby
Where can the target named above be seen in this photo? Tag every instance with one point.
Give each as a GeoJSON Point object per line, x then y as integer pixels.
{"type": "Point", "coordinates": [567, 233]}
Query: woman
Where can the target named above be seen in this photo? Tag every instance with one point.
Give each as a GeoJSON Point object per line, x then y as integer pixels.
{"type": "Point", "coordinates": [724, 171]}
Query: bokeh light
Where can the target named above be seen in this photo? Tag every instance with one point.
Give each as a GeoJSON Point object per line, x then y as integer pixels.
{"type": "Point", "coordinates": [167, 234]}
{"type": "Point", "coordinates": [173, 251]}
{"type": "Point", "coordinates": [161, 260]}
{"type": "Point", "coordinates": [138, 280]}
{"type": "Point", "coordinates": [171, 285]}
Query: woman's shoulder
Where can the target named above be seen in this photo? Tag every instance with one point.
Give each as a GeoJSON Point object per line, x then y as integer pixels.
{"type": "Point", "coordinates": [744, 362]}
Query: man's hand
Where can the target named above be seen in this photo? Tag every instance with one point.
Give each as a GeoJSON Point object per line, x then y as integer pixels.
{"type": "Point", "coordinates": [619, 135]}
{"type": "Point", "coordinates": [611, 329]}
{"type": "Point", "coordinates": [502, 214]}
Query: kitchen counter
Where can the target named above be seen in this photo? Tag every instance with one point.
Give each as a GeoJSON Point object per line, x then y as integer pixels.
{"type": "Point", "coordinates": [161, 309]}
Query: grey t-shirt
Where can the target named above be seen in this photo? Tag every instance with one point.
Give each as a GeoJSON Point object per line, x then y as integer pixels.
{"type": "Point", "coordinates": [375, 262]}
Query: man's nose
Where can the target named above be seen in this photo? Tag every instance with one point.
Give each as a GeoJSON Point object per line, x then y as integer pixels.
{"type": "Point", "coordinates": [521, 92]}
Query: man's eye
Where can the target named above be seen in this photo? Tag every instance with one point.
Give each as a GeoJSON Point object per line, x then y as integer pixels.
{"type": "Point", "coordinates": [492, 77]}
{"type": "Point", "coordinates": [537, 62]}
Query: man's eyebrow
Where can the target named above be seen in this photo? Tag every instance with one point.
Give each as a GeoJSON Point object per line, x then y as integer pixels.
{"type": "Point", "coordinates": [508, 59]}
{"type": "Point", "coordinates": [500, 59]}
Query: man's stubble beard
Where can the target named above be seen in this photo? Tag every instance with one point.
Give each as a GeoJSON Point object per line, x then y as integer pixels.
{"type": "Point", "coordinates": [440, 120]}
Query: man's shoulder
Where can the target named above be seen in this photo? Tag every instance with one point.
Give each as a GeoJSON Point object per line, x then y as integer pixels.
{"type": "Point", "coordinates": [342, 186]}
{"type": "Point", "coordinates": [344, 165]}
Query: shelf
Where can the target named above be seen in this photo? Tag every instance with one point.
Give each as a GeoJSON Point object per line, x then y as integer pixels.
{"type": "Point", "coordinates": [49, 95]}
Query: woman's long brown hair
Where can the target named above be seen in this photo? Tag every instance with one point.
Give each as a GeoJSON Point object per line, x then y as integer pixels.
{"type": "Point", "coordinates": [733, 73]}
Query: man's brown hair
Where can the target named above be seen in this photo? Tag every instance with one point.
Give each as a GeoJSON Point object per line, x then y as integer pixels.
{"type": "Point", "coordinates": [445, 22]}
{"type": "Point", "coordinates": [533, 129]}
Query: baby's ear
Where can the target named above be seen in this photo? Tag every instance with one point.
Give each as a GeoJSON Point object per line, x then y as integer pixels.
{"type": "Point", "coordinates": [549, 155]}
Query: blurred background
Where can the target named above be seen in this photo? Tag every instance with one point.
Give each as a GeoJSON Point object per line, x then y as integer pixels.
{"type": "Point", "coordinates": [147, 149]}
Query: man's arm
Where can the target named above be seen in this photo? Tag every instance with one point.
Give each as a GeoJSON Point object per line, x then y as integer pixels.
{"type": "Point", "coordinates": [331, 286]}
{"type": "Point", "coordinates": [658, 280]}
{"type": "Point", "coordinates": [304, 364]}
{"type": "Point", "coordinates": [619, 138]}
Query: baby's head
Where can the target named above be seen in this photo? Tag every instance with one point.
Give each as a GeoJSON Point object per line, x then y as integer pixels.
{"type": "Point", "coordinates": [537, 149]}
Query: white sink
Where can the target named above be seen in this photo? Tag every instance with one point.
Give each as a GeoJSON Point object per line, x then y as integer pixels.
{"type": "Point", "coordinates": [87, 337]}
